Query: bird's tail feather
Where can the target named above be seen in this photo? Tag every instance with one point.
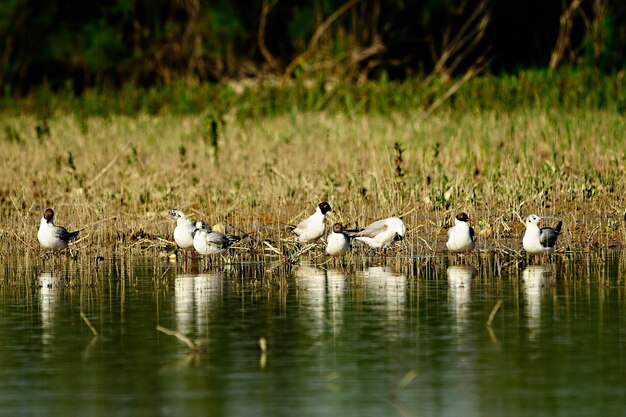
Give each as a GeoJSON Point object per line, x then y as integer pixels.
{"type": "Point", "coordinates": [235, 238]}
{"type": "Point", "coordinates": [72, 235]}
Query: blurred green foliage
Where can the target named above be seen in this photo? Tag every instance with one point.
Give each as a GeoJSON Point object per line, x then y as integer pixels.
{"type": "Point", "coordinates": [81, 45]}
{"type": "Point", "coordinates": [564, 89]}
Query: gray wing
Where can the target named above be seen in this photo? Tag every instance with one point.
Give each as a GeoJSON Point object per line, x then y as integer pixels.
{"type": "Point", "coordinates": [301, 227]}
{"type": "Point", "coordinates": [373, 229]}
{"type": "Point", "coordinates": [217, 239]}
{"type": "Point", "coordinates": [64, 235]}
{"type": "Point", "coordinates": [548, 236]}
{"type": "Point", "coordinates": [221, 240]}
{"type": "Point", "coordinates": [303, 224]}
{"type": "Point", "coordinates": [471, 232]}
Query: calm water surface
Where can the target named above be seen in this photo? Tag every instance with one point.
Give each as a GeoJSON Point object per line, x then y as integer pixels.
{"type": "Point", "coordinates": [407, 339]}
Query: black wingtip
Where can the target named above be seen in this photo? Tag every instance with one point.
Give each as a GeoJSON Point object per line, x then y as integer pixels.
{"type": "Point", "coordinates": [239, 237]}
{"type": "Point", "coordinates": [234, 238]}
{"type": "Point", "coordinates": [558, 226]}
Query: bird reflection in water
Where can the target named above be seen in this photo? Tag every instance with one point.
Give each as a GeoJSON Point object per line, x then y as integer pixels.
{"type": "Point", "coordinates": [49, 289]}
{"type": "Point", "coordinates": [194, 295]}
{"type": "Point", "coordinates": [536, 279]}
{"type": "Point", "coordinates": [460, 292]}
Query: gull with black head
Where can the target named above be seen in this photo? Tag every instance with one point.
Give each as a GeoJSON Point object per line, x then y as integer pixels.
{"type": "Point", "coordinates": [338, 242]}
{"type": "Point", "coordinates": [51, 236]}
{"type": "Point", "coordinates": [461, 235]}
{"type": "Point", "coordinates": [314, 226]}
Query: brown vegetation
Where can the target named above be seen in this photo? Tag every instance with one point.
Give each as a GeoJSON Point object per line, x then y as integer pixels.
{"type": "Point", "coordinates": [117, 176]}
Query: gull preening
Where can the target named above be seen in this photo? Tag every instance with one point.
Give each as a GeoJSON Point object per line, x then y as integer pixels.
{"type": "Point", "coordinates": [382, 233]}
{"type": "Point", "coordinates": [538, 240]}
{"type": "Point", "coordinates": [185, 228]}
{"type": "Point", "coordinates": [208, 242]}
{"type": "Point", "coordinates": [313, 227]}
{"type": "Point", "coordinates": [461, 235]}
{"type": "Point", "coordinates": [51, 236]}
{"type": "Point", "coordinates": [338, 243]}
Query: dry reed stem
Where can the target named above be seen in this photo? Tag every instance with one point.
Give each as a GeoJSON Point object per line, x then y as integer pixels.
{"type": "Point", "coordinates": [492, 315]}
{"type": "Point", "coordinates": [86, 320]}
{"type": "Point", "coordinates": [402, 384]}
{"type": "Point", "coordinates": [193, 346]}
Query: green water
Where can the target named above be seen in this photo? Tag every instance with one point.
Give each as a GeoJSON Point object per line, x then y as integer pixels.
{"type": "Point", "coordinates": [409, 339]}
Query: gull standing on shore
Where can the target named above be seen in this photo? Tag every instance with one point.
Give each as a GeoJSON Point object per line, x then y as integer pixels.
{"type": "Point", "coordinates": [338, 243]}
{"type": "Point", "coordinates": [461, 235]}
{"type": "Point", "coordinates": [538, 240]}
{"type": "Point", "coordinates": [208, 242]}
{"type": "Point", "coordinates": [313, 227]}
{"type": "Point", "coordinates": [185, 228]}
{"type": "Point", "coordinates": [51, 236]}
{"type": "Point", "coordinates": [382, 233]}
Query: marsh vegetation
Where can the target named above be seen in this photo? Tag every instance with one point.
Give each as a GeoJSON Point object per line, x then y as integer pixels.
{"type": "Point", "coordinates": [117, 175]}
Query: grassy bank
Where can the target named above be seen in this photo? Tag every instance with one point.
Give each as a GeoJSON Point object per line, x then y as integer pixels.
{"type": "Point", "coordinates": [116, 175]}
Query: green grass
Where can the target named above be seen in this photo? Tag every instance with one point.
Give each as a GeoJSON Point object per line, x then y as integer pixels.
{"type": "Point", "coordinates": [565, 89]}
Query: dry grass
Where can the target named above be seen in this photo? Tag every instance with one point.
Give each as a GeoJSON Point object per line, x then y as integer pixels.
{"type": "Point", "coordinates": [117, 176]}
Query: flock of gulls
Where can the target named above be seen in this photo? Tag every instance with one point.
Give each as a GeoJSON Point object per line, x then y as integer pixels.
{"type": "Point", "coordinates": [379, 235]}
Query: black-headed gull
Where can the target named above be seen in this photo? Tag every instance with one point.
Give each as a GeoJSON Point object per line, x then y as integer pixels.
{"type": "Point", "coordinates": [51, 236]}
{"type": "Point", "coordinates": [538, 240]}
{"type": "Point", "coordinates": [382, 233]}
{"type": "Point", "coordinates": [313, 227]}
{"type": "Point", "coordinates": [338, 242]}
{"type": "Point", "coordinates": [461, 235]}
{"type": "Point", "coordinates": [208, 242]}
{"type": "Point", "coordinates": [183, 233]}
